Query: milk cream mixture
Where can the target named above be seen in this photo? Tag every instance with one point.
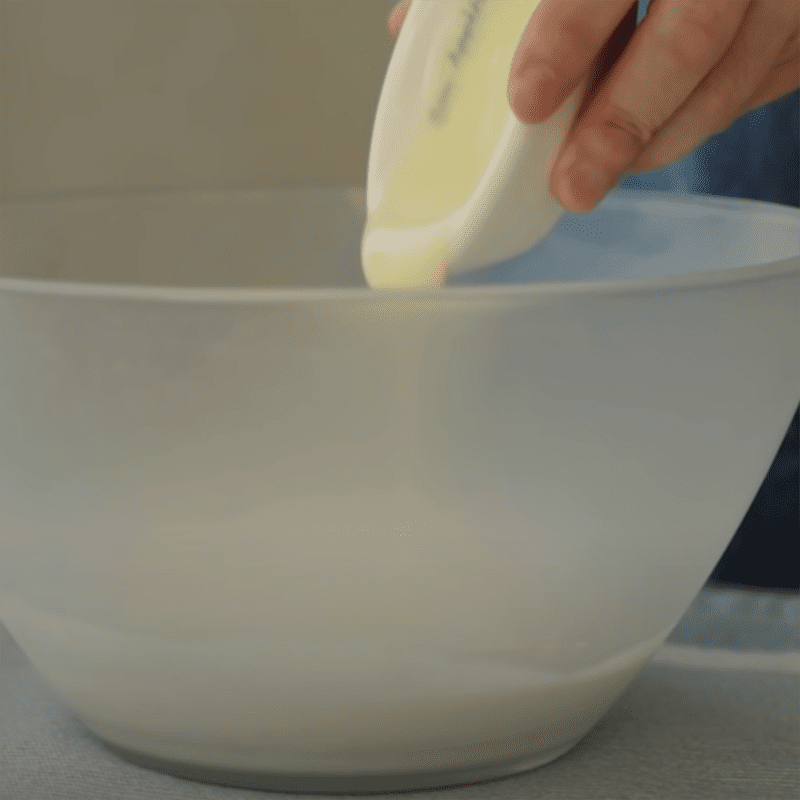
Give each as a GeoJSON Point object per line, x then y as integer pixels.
{"type": "Point", "coordinates": [297, 704]}
{"type": "Point", "coordinates": [466, 107]}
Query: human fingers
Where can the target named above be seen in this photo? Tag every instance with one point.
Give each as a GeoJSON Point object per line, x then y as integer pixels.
{"type": "Point", "coordinates": [671, 52]}
{"type": "Point", "coordinates": [561, 43]}
{"type": "Point", "coordinates": [397, 17]}
{"type": "Point", "coordinates": [782, 80]}
{"type": "Point", "coordinates": [729, 89]}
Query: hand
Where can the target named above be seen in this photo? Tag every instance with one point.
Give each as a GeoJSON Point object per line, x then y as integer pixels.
{"type": "Point", "coordinates": [690, 70]}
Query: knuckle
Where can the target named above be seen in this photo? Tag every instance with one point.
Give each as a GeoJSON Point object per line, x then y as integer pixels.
{"type": "Point", "coordinates": [720, 101]}
{"type": "Point", "coordinates": [690, 37]}
{"type": "Point", "coordinates": [687, 47]}
{"type": "Point", "coordinates": [637, 129]}
{"type": "Point", "coordinates": [717, 110]}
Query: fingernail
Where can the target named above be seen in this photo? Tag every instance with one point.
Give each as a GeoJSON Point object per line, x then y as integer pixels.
{"type": "Point", "coordinates": [579, 184]}
{"type": "Point", "coordinates": [532, 94]}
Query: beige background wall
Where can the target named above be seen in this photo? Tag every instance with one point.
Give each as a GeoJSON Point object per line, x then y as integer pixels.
{"type": "Point", "coordinates": [120, 94]}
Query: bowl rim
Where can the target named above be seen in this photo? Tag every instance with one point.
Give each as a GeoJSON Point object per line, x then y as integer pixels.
{"type": "Point", "coordinates": [446, 294]}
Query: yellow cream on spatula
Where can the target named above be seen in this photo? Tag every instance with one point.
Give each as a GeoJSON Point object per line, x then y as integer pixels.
{"type": "Point", "coordinates": [456, 182]}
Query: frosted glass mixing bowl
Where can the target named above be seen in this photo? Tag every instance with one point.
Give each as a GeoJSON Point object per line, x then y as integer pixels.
{"type": "Point", "coordinates": [325, 538]}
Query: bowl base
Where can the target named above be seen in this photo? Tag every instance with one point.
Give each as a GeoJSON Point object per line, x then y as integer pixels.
{"type": "Point", "coordinates": [341, 783]}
